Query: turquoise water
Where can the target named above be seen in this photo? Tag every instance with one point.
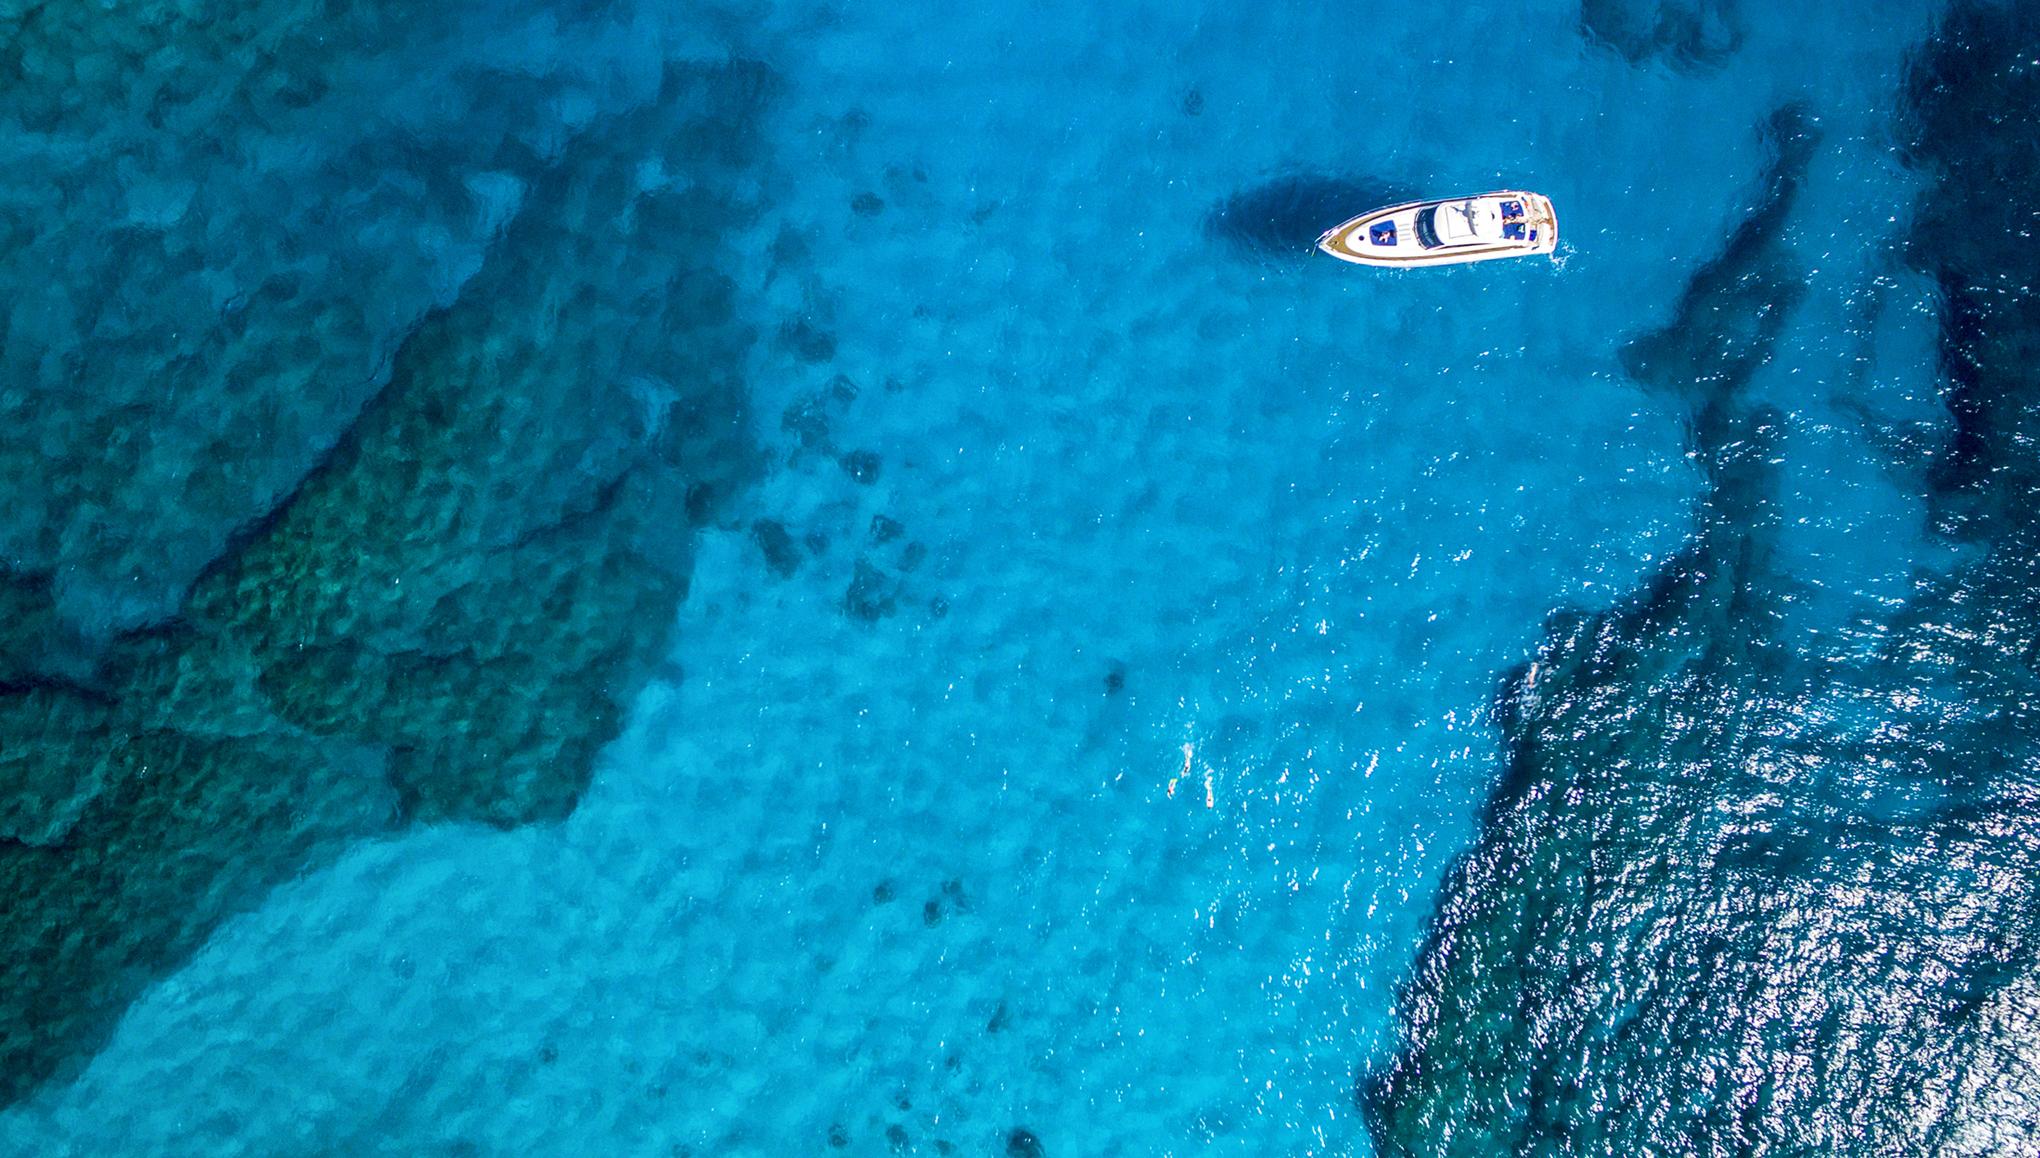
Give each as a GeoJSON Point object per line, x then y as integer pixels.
{"type": "Point", "coordinates": [1055, 726]}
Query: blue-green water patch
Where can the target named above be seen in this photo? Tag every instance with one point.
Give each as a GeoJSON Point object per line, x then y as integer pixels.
{"type": "Point", "coordinates": [1085, 676]}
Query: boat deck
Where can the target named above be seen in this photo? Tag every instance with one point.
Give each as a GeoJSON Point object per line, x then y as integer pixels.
{"type": "Point", "coordinates": [1506, 223]}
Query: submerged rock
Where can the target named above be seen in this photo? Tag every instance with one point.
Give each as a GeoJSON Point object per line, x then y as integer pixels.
{"type": "Point", "coordinates": [444, 622]}
{"type": "Point", "coordinates": [777, 545]}
{"type": "Point", "coordinates": [1685, 33]}
{"type": "Point", "coordinates": [872, 594]}
{"type": "Point", "coordinates": [1746, 894]}
{"type": "Point", "coordinates": [862, 466]}
{"type": "Point", "coordinates": [808, 341]}
{"type": "Point", "coordinates": [242, 241]}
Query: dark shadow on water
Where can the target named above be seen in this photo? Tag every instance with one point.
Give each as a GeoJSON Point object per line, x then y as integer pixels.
{"type": "Point", "coordinates": [1282, 218]}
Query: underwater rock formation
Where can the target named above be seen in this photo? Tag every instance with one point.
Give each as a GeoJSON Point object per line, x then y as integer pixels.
{"type": "Point", "coordinates": [443, 622]}
{"type": "Point", "coordinates": [1730, 316]}
{"type": "Point", "coordinates": [1739, 894]}
{"type": "Point", "coordinates": [217, 224]}
{"type": "Point", "coordinates": [1686, 33]}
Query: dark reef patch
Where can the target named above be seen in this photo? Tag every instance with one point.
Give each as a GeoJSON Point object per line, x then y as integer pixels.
{"type": "Point", "coordinates": [872, 594]}
{"type": "Point", "coordinates": [37, 644]}
{"type": "Point", "coordinates": [811, 418]}
{"type": "Point", "coordinates": [1740, 894]}
{"type": "Point", "coordinates": [444, 621]}
{"type": "Point", "coordinates": [1686, 33]}
{"type": "Point", "coordinates": [789, 250]}
{"type": "Point", "coordinates": [807, 341]}
{"type": "Point", "coordinates": [211, 311]}
{"type": "Point", "coordinates": [1732, 311]}
{"type": "Point", "coordinates": [952, 892]}
{"type": "Point", "coordinates": [776, 543]}
{"type": "Point", "coordinates": [807, 419]}
{"type": "Point", "coordinates": [1284, 217]}
{"type": "Point", "coordinates": [862, 466]}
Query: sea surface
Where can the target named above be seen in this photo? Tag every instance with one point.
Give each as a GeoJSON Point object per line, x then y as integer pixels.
{"type": "Point", "coordinates": [617, 577]}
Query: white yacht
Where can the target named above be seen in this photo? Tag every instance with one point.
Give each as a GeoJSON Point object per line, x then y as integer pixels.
{"type": "Point", "coordinates": [1508, 223]}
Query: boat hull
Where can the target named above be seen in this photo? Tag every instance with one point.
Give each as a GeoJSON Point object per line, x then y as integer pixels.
{"type": "Point", "coordinates": [1486, 227]}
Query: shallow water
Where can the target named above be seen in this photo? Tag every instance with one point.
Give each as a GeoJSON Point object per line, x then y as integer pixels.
{"type": "Point", "coordinates": [1085, 671]}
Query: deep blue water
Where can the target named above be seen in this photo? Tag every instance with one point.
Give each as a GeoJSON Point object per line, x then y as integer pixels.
{"type": "Point", "coordinates": [992, 647]}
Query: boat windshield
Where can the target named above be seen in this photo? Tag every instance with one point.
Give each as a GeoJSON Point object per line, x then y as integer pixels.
{"type": "Point", "coordinates": [1427, 227]}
